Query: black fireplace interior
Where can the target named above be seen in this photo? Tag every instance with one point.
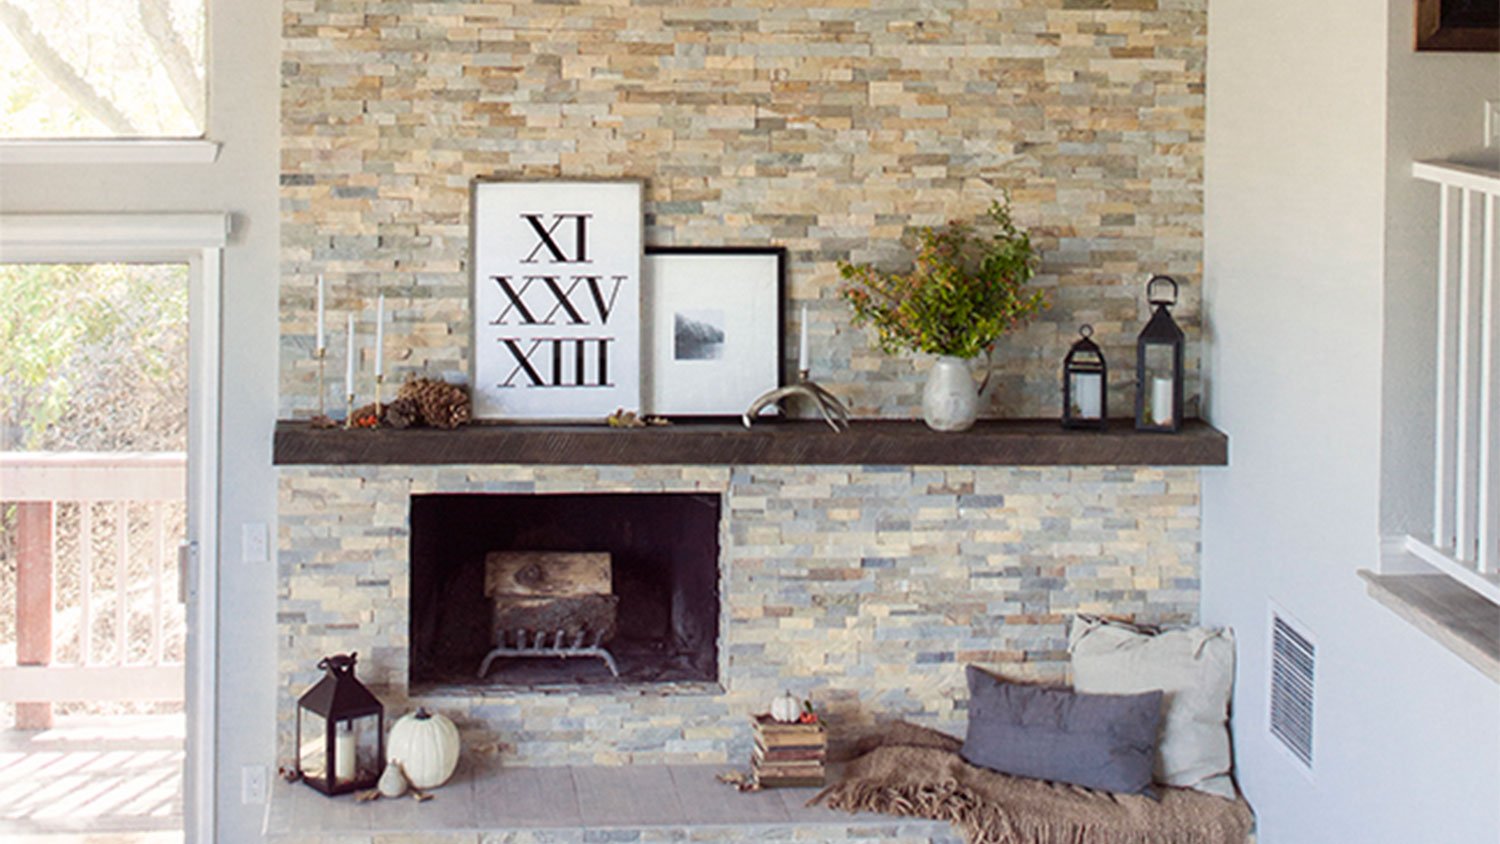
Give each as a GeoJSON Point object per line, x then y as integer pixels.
{"type": "Point", "coordinates": [664, 550]}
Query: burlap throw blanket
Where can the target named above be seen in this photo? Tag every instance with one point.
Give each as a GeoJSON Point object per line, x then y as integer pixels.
{"type": "Point", "coordinates": [917, 772]}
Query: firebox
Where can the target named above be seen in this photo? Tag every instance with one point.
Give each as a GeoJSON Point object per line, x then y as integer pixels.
{"type": "Point", "coordinates": [540, 590]}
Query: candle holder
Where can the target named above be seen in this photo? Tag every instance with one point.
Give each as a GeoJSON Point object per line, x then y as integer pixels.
{"type": "Point", "coordinates": [379, 406]}
{"type": "Point", "coordinates": [833, 411]}
{"type": "Point", "coordinates": [349, 412]}
{"type": "Point", "coordinates": [320, 419]}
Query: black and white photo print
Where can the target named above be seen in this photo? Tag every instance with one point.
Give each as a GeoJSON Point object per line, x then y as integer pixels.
{"type": "Point", "coordinates": [698, 335]}
{"type": "Point", "coordinates": [713, 325]}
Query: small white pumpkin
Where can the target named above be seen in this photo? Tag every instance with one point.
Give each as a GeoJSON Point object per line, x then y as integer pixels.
{"type": "Point", "coordinates": [392, 783]}
{"type": "Point", "coordinates": [426, 746]}
{"type": "Point", "coordinates": [786, 708]}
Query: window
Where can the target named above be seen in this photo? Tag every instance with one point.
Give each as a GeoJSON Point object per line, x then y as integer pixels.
{"type": "Point", "coordinates": [102, 69]}
{"type": "Point", "coordinates": [194, 241]}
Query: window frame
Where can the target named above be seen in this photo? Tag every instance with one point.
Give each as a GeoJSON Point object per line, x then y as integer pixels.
{"type": "Point", "coordinates": [144, 149]}
{"type": "Point", "coordinates": [110, 151]}
{"type": "Point", "coordinates": [197, 240]}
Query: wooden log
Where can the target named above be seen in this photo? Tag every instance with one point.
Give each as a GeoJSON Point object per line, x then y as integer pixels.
{"type": "Point", "coordinates": [588, 614]}
{"type": "Point", "coordinates": [546, 573]}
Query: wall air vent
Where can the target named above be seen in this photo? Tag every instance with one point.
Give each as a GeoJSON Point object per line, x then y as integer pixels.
{"type": "Point", "coordinates": [1293, 657]}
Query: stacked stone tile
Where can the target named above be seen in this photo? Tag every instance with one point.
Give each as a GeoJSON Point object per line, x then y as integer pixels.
{"type": "Point", "coordinates": [831, 128]}
{"type": "Point", "coordinates": [865, 588]}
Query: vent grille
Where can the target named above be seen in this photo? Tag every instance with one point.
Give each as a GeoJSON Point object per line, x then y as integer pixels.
{"type": "Point", "coordinates": [1293, 658]}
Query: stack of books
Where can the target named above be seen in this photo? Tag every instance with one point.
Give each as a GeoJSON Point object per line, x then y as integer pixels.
{"type": "Point", "coordinates": [788, 755]}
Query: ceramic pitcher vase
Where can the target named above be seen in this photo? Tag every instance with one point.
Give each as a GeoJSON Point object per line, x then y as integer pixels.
{"type": "Point", "coordinates": [950, 401]}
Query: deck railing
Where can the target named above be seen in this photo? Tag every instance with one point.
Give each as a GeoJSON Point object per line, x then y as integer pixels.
{"type": "Point", "coordinates": [98, 614]}
{"type": "Point", "coordinates": [1465, 540]}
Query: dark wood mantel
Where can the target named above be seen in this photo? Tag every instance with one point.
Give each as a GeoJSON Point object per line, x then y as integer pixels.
{"type": "Point", "coordinates": [883, 442]}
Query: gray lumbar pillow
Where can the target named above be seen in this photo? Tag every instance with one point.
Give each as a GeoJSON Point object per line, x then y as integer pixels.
{"type": "Point", "coordinates": [1096, 741]}
{"type": "Point", "coordinates": [1195, 669]}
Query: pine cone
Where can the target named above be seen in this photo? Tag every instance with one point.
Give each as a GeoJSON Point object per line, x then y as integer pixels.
{"type": "Point", "coordinates": [403, 413]}
{"type": "Point", "coordinates": [442, 405]}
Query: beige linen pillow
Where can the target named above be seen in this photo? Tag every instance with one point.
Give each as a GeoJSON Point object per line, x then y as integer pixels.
{"type": "Point", "coordinates": [1193, 667]}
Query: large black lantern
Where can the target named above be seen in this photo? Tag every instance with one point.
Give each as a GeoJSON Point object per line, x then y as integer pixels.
{"type": "Point", "coordinates": [1085, 384]}
{"type": "Point", "coordinates": [340, 731]}
{"type": "Point", "coordinates": [1158, 363]}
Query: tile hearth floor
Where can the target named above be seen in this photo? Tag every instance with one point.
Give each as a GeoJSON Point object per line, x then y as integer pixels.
{"type": "Point", "coordinates": [632, 803]}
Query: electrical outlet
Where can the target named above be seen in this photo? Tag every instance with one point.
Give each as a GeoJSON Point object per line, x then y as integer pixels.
{"type": "Point", "coordinates": [1492, 123]}
{"type": "Point", "coordinates": [253, 785]}
{"type": "Point", "coordinates": [253, 542]}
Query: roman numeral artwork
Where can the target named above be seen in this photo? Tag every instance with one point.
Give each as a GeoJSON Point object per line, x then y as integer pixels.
{"type": "Point", "coordinates": [557, 297]}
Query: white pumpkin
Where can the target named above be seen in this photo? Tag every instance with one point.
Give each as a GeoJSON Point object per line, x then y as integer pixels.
{"type": "Point", "coordinates": [426, 746]}
{"type": "Point", "coordinates": [392, 783]}
{"type": "Point", "coordinates": [786, 708]}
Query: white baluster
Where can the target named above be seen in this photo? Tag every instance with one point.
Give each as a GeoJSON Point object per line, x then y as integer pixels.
{"type": "Point", "coordinates": [1447, 374]}
{"type": "Point", "coordinates": [1488, 557]}
{"type": "Point", "coordinates": [122, 559]}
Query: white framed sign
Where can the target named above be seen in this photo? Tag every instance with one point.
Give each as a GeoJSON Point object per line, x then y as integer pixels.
{"type": "Point", "coordinates": [557, 299]}
{"type": "Point", "coordinates": [713, 328]}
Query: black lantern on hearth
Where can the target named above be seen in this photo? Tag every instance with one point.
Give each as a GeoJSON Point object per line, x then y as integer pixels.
{"type": "Point", "coordinates": [340, 731]}
{"type": "Point", "coordinates": [1085, 384]}
{"type": "Point", "coordinates": [1158, 362]}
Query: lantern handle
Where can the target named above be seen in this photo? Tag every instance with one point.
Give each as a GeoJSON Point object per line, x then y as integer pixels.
{"type": "Point", "coordinates": [1152, 283]}
{"type": "Point", "coordinates": [339, 663]}
{"type": "Point", "coordinates": [1085, 331]}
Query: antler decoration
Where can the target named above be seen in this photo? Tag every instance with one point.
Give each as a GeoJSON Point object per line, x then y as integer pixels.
{"type": "Point", "coordinates": [834, 412]}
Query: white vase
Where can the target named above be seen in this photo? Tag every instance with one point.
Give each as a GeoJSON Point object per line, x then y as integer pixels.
{"type": "Point", "coordinates": [950, 401]}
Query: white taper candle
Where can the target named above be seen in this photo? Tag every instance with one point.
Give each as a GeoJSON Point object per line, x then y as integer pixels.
{"type": "Point", "coordinates": [349, 361]}
{"type": "Point", "coordinates": [802, 344]}
{"type": "Point", "coordinates": [321, 345]}
{"type": "Point", "coordinates": [380, 336]}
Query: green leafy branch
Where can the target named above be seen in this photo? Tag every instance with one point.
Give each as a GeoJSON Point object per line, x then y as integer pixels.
{"type": "Point", "coordinates": [964, 291]}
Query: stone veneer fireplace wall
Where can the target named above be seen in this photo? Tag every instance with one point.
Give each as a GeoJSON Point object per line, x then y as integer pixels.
{"type": "Point", "coordinates": [833, 130]}
{"type": "Point", "coordinates": [865, 588]}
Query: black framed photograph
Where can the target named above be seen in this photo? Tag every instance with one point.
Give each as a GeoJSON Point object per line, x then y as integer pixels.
{"type": "Point", "coordinates": [712, 328]}
{"type": "Point", "coordinates": [1458, 26]}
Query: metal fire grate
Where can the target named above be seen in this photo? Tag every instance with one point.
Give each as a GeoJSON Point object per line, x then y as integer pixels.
{"type": "Point", "coordinates": [529, 644]}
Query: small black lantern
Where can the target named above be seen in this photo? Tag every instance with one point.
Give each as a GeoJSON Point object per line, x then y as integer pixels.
{"type": "Point", "coordinates": [1158, 363]}
{"type": "Point", "coordinates": [340, 731]}
{"type": "Point", "coordinates": [1085, 384]}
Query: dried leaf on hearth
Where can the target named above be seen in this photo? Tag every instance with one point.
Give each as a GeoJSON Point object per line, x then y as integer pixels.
{"type": "Point", "coordinates": [739, 779]}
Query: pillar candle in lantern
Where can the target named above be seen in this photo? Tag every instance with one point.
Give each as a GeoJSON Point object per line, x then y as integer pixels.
{"type": "Point", "coordinates": [1161, 401]}
{"type": "Point", "coordinates": [343, 753]}
{"type": "Point", "coordinates": [1088, 391]}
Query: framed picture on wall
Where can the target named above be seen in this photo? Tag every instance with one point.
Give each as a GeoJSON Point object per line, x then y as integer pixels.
{"type": "Point", "coordinates": [556, 301]}
{"type": "Point", "coordinates": [713, 328]}
{"type": "Point", "coordinates": [1458, 25]}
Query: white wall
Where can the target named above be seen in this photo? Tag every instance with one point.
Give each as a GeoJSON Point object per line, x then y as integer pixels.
{"type": "Point", "coordinates": [244, 50]}
{"type": "Point", "coordinates": [1297, 210]}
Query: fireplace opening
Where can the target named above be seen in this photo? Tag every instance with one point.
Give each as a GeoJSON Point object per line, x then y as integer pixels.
{"type": "Point", "coordinates": [625, 584]}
